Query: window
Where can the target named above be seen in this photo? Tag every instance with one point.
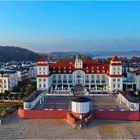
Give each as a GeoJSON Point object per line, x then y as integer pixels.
{"type": "Point", "coordinates": [40, 79]}
{"type": "Point", "coordinates": [44, 79]}
{"type": "Point", "coordinates": [97, 81]}
{"type": "Point", "coordinates": [64, 81]}
{"type": "Point", "coordinates": [70, 81]}
{"type": "Point", "coordinates": [103, 81]}
{"type": "Point", "coordinates": [118, 80]}
{"type": "Point", "coordinates": [92, 71]}
{"type": "Point", "coordinates": [114, 80]}
{"type": "Point", "coordinates": [113, 85]}
{"type": "Point", "coordinates": [87, 81]}
{"type": "Point", "coordinates": [4, 81]}
{"type": "Point", "coordinates": [44, 68]}
{"type": "Point", "coordinates": [44, 85]}
{"type": "Point", "coordinates": [4, 86]}
{"type": "Point", "coordinates": [118, 85]}
{"type": "Point", "coordinates": [39, 85]}
{"type": "Point", "coordinates": [59, 81]}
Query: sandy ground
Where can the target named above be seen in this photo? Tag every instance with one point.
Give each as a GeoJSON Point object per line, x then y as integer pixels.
{"type": "Point", "coordinates": [15, 128]}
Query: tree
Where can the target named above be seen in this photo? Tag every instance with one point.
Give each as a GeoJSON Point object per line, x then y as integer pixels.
{"type": "Point", "coordinates": [31, 88]}
{"type": "Point", "coordinates": [16, 88]}
{"type": "Point", "coordinates": [25, 82]}
{"type": "Point", "coordinates": [6, 93]}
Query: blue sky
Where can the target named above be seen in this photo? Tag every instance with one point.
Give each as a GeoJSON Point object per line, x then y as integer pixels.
{"type": "Point", "coordinates": [70, 26]}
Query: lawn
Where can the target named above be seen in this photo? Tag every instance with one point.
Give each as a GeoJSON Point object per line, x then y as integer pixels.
{"type": "Point", "coordinates": [7, 108]}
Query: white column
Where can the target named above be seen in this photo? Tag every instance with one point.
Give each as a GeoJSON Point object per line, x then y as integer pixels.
{"type": "Point", "coordinates": [62, 86]}
{"type": "Point", "coordinates": [95, 87]}
{"type": "Point", "coordinates": [40, 100]}
{"type": "Point", "coordinates": [89, 86]}
{"type": "Point", "coordinates": [55, 86]}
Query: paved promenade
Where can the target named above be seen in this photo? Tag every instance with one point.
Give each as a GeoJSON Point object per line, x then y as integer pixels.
{"type": "Point", "coordinates": [13, 128]}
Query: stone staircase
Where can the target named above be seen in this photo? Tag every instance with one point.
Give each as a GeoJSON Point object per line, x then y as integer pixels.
{"type": "Point", "coordinates": [81, 123]}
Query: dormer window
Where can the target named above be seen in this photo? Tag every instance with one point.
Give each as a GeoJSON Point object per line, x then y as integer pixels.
{"type": "Point", "coordinates": [64, 71]}
{"type": "Point", "coordinates": [54, 67]}
{"type": "Point", "coordinates": [69, 67]}
{"type": "Point", "coordinates": [64, 67]}
{"type": "Point", "coordinates": [92, 71]}
{"type": "Point", "coordinates": [87, 71]}
{"type": "Point", "coordinates": [59, 67]}
{"type": "Point", "coordinates": [92, 67]}
{"type": "Point", "coordinates": [54, 71]}
{"type": "Point", "coordinates": [59, 71]}
{"type": "Point", "coordinates": [69, 71]}
{"type": "Point", "coordinates": [87, 67]}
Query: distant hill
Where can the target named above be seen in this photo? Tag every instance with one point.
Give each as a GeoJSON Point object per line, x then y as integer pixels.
{"type": "Point", "coordinates": [10, 53]}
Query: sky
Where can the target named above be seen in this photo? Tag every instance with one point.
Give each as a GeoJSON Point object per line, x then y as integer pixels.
{"type": "Point", "coordinates": [71, 26]}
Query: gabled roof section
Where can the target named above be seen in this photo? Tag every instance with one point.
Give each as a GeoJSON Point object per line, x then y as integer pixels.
{"type": "Point", "coordinates": [42, 59]}
{"type": "Point", "coordinates": [115, 58]}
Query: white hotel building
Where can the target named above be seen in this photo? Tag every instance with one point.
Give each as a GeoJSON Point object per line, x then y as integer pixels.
{"type": "Point", "coordinates": [64, 74]}
{"type": "Point", "coordinates": [7, 81]}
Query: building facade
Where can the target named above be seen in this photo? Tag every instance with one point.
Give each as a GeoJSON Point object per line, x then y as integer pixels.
{"type": "Point", "coordinates": [7, 81]}
{"type": "Point", "coordinates": [134, 74]}
{"type": "Point", "coordinates": [65, 74]}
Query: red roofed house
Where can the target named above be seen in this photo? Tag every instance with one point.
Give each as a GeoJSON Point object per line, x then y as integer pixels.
{"type": "Point", "coordinates": [65, 74]}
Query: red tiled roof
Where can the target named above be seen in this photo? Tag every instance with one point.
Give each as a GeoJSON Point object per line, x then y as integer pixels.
{"type": "Point", "coordinates": [115, 58]}
{"type": "Point", "coordinates": [137, 72]}
{"type": "Point", "coordinates": [42, 59]}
